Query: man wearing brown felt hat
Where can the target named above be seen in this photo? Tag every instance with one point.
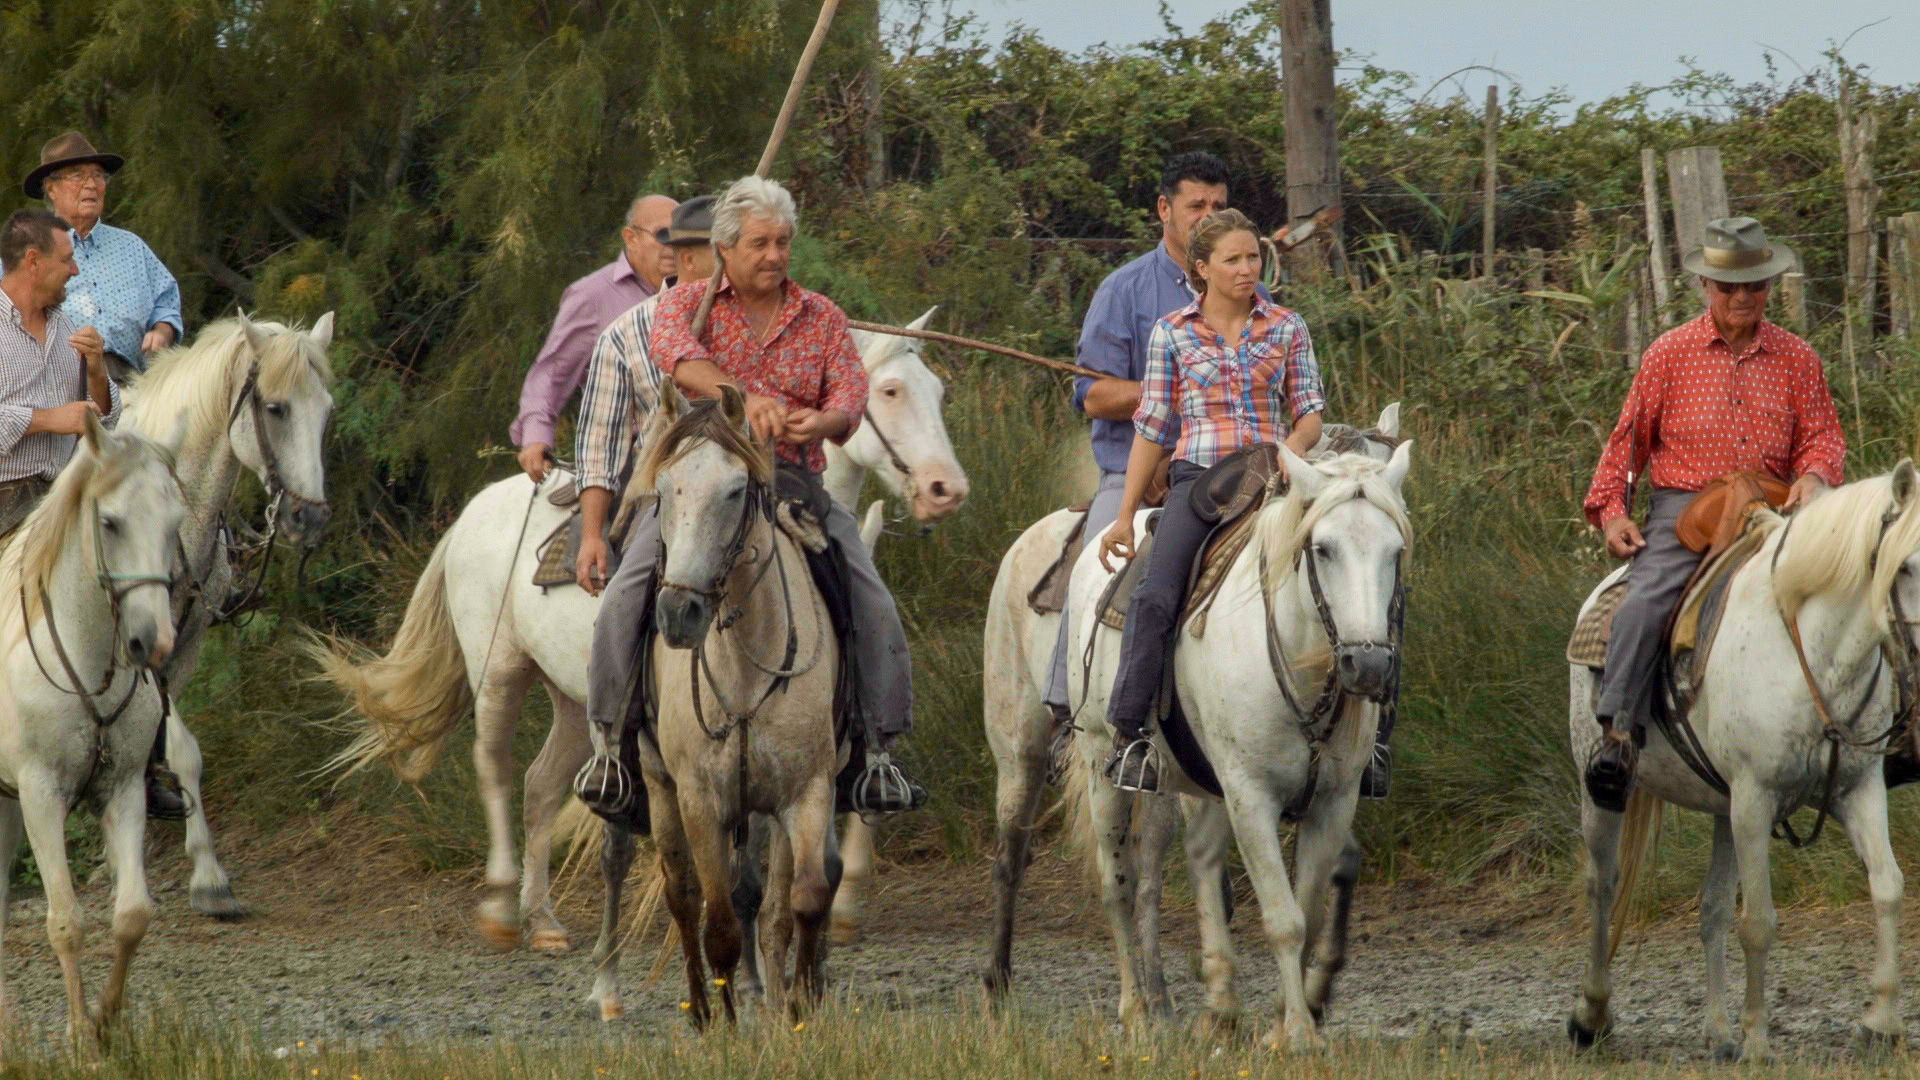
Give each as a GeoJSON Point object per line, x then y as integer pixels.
{"type": "Point", "coordinates": [1726, 392]}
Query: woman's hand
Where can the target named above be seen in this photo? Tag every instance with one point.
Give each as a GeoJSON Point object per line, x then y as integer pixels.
{"type": "Point", "coordinates": [1118, 542]}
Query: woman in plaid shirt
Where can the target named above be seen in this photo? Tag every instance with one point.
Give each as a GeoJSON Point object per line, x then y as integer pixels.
{"type": "Point", "coordinates": [1235, 370]}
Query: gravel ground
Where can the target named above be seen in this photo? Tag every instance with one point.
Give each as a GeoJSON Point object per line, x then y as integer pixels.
{"type": "Point", "coordinates": [362, 949]}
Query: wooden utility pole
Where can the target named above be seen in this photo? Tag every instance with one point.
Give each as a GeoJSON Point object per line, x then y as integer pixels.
{"type": "Point", "coordinates": [1857, 135]}
{"type": "Point", "coordinates": [1656, 234]}
{"type": "Point", "coordinates": [1699, 189]}
{"type": "Point", "coordinates": [876, 118]}
{"type": "Point", "coordinates": [1490, 180]}
{"type": "Point", "coordinates": [1793, 300]}
{"type": "Point", "coordinates": [1312, 145]}
{"type": "Point", "coordinates": [1903, 272]}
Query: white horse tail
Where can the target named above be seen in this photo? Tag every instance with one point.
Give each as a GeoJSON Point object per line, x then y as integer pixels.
{"type": "Point", "coordinates": [412, 697]}
{"type": "Point", "coordinates": [1638, 831]}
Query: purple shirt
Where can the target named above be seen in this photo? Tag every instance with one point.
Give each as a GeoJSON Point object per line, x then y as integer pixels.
{"type": "Point", "coordinates": [586, 308]}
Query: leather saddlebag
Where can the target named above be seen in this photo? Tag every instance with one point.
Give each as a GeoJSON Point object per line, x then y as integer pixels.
{"type": "Point", "coordinates": [1713, 518]}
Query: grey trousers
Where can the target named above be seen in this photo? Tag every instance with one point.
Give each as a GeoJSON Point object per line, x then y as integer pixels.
{"type": "Point", "coordinates": [1655, 583]}
{"type": "Point", "coordinates": [18, 498]}
{"type": "Point", "coordinates": [1106, 507]}
{"type": "Point", "coordinates": [879, 642]}
{"type": "Point", "coordinates": [1153, 615]}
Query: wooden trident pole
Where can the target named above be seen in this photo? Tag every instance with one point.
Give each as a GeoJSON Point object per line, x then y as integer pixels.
{"type": "Point", "coordinates": [779, 134]}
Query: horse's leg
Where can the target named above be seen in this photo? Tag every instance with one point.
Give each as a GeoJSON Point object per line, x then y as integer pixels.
{"type": "Point", "coordinates": [10, 834]}
{"type": "Point", "coordinates": [1208, 834]}
{"type": "Point", "coordinates": [1020, 779]}
{"type": "Point", "coordinates": [1592, 1020]}
{"type": "Point", "coordinates": [616, 859]}
{"type": "Point", "coordinates": [45, 814]}
{"type": "Point", "coordinates": [681, 890]}
{"type": "Point", "coordinates": [809, 825]}
{"type": "Point", "coordinates": [1255, 813]}
{"type": "Point", "coordinates": [1716, 918]}
{"type": "Point", "coordinates": [496, 712]}
{"type": "Point", "coordinates": [1864, 812]}
{"type": "Point", "coordinates": [1156, 823]}
{"type": "Point", "coordinates": [776, 919]}
{"type": "Point", "coordinates": [856, 860]}
{"type": "Point", "coordinates": [711, 844]}
{"type": "Point", "coordinates": [1114, 858]}
{"type": "Point", "coordinates": [1752, 818]}
{"type": "Point", "coordinates": [549, 785]}
{"type": "Point", "coordinates": [123, 825]}
{"type": "Point", "coordinates": [208, 891]}
{"type": "Point", "coordinates": [1327, 929]}
{"type": "Point", "coordinates": [748, 897]}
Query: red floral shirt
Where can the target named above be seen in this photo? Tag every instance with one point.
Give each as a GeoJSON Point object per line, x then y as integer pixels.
{"type": "Point", "coordinates": [1697, 411]}
{"type": "Point", "coordinates": [807, 361]}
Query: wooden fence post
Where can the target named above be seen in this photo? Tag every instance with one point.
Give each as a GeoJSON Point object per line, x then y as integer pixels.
{"type": "Point", "coordinates": [1312, 131]}
{"type": "Point", "coordinates": [1699, 189]}
{"type": "Point", "coordinates": [1793, 299]}
{"type": "Point", "coordinates": [1491, 180]}
{"type": "Point", "coordinates": [1656, 233]}
{"type": "Point", "coordinates": [1857, 134]}
{"type": "Point", "coordinates": [1903, 272]}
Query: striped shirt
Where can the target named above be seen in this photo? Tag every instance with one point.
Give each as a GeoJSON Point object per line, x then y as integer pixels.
{"type": "Point", "coordinates": [1226, 397]}
{"type": "Point", "coordinates": [36, 375]}
{"type": "Point", "coordinates": [623, 386]}
{"type": "Point", "coordinates": [1697, 411]}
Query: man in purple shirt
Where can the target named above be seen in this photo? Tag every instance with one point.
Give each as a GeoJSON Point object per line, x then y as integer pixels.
{"type": "Point", "coordinates": [586, 308]}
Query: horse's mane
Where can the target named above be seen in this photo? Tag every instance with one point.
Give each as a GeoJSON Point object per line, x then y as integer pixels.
{"type": "Point", "coordinates": [199, 380]}
{"type": "Point", "coordinates": [30, 552]}
{"type": "Point", "coordinates": [703, 420]}
{"type": "Point", "coordinates": [1838, 545]}
{"type": "Point", "coordinates": [1284, 525]}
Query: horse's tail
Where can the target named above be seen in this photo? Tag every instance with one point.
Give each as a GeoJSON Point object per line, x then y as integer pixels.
{"type": "Point", "coordinates": [1638, 832]}
{"type": "Point", "coordinates": [412, 697]}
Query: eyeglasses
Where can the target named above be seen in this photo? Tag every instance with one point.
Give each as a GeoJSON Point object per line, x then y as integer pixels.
{"type": "Point", "coordinates": [1731, 287]}
{"type": "Point", "coordinates": [82, 177]}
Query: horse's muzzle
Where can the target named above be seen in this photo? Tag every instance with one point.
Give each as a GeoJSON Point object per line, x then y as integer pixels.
{"type": "Point", "coordinates": [683, 617]}
{"type": "Point", "coordinates": [1366, 668]}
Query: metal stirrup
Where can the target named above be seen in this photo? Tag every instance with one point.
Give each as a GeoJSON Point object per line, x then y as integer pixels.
{"type": "Point", "coordinates": [883, 788]}
{"type": "Point", "coordinates": [594, 790]}
{"type": "Point", "coordinates": [1128, 769]}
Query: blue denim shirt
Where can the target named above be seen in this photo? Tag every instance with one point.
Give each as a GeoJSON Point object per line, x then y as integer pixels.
{"type": "Point", "coordinates": [122, 291]}
{"type": "Point", "coordinates": [1113, 339]}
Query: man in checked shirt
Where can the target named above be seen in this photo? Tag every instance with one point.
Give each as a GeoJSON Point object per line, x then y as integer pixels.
{"type": "Point", "coordinates": [1725, 392]}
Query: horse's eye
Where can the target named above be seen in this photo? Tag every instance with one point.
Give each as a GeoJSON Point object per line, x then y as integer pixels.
{"type": "Point", "coordinates": [1322, 551]}
{"type": "Point", "coordinates": [109, 524]}
{"type": "Point", "coordinates": [276, 409]}
{"type": "Point", "coordinates": [891, 391]}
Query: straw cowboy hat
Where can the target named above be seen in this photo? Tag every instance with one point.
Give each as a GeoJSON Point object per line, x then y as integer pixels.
{"type": "Point", "coordinates": [62, 151]}
{"type": "Point", "coordinates": [1737, 250]}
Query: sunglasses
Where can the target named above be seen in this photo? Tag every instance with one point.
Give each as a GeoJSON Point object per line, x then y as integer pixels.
{"type": "Point", "coordinates": [1731, 287]}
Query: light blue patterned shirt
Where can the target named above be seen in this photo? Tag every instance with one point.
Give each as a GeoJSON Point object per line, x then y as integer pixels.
{"type": "Point", "coordinates": [123, 291]}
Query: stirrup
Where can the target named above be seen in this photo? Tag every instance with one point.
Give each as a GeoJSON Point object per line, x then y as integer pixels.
{"type": "Point", "coordinates": [1060, 735]}
{"type": "Point", "coordinates": [1136, 767]}
{"type": "Point", "coordinates": [603, 784]}
{"type": "Point", "coordinates": [1378, 777]}
{"type": "Point", "coordinates": [884, 788]}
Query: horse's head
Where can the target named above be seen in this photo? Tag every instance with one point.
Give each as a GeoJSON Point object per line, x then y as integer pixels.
{"type": "Point", "coordinates": [712, 477]}
{"type": "Point", "coordinates": [122, 507]}
{"type": "Point", "coordinates": [1343, 528]}
{"type": "Point", "coordinates": [1859, 546]}
{"type": "Point", "coordinates": [1376, 442]}
{"type": "Point", "coordinates": [904, 438]}
{"type": "Point", "coordinates": [278, 413]}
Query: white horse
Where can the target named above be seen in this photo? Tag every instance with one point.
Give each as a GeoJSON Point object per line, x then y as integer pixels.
{"type": "Point", "coordinates": [84, 626]}
{"type": "Point", "coordinates": [1314, 592]}
{"type": "Point", "coordinates": [1018, 659]}
{"type": "Point", "coordinates": [254, 398]}
{"type": "Point", "coordinates": [1845, 568]}
{"type": "Point", "coordinates": [477, 634]}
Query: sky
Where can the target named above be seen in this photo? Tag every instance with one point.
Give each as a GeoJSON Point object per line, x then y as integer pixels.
{"type": "Point", "coordinates": [1592, 50]}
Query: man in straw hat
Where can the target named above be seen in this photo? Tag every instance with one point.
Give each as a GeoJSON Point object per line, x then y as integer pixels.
{"type": "Point", "coordinates": [123, 288]}
{"type": "Point", "coordinates": [1725, 392]}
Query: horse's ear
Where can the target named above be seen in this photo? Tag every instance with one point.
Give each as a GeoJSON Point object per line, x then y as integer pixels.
{"type": "Point", "coordinates": [1396, 470]}
{"type": "Point", "coordinates": [322, 332]}
{"type": "Point", "coordinates": [1904, 480]}
{"type": "Point", "coordinates": [1389, 422]}
{"type": "Point", "coordinates": [733, 405]}
{"type": "Point", "coordinates": [256, 337]}
{"type": "Point", "coordinates": [921, 322]}
{"type": "Point", "coordinates": [1305, 478]}
{"type": "Point", "coordinates": [95, 433]}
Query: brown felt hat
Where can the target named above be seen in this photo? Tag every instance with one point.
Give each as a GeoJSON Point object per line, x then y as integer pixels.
{"type": "Point", "coordinates": [62, 151]}
{"type": "Point", "coordinates": [1737, 250]}
{"type": "Point", "coordinates": [692, 223]}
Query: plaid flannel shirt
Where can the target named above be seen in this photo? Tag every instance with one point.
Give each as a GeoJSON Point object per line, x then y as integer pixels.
{"type": "Point", "coordinates": [623, 387]}
{"type": "Point", "coordinates": [1226, 397]}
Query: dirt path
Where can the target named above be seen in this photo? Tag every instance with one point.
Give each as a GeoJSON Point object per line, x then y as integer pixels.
{"type": "Point", "coordinates": [365, 948]}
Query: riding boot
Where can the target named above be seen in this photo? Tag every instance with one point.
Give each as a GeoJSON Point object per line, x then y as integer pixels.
{"type": "Point", "coordinates": [1609, 773]}
{"type": "Point", "coordinates": [1135, 764]}
{"type": "Point", "coordinates": [1059, 742]}
{"type": "Point", "coordinates": [166, 799]}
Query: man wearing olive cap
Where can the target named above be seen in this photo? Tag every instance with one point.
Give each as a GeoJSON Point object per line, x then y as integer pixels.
{"type": "Point", "coordinates": [1725, 392]}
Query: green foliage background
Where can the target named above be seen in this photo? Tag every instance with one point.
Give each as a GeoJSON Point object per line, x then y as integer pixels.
{"type": "Point", "coordinates": [437, 172]}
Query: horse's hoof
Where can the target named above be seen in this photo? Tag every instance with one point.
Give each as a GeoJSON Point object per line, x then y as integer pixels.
{"type": "Point", "coordinates": [1211, 1025]}
{"type": "Point", "coordinates": [1726, 1053]}
{"type": "Point", "coordinates": [548, 941]}
{"type": "Point", "coordinates": [842, 930]}
{"type": "Point", "coordinates": [1871, 1042]}
{"type": "Point", "coordinates": [612, 1009]}
{"type": "Point", "coordinates": [500, 935]}
{"type": "Point", "coordinates": [1584, 1037]}
{"type": "Point", "coordinates": [216, 902]}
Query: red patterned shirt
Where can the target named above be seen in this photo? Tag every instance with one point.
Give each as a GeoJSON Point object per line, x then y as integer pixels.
{"type": "Point", "coordinates": [807, 361]}
{"type": "Point", "coordinates": [1696, 411]}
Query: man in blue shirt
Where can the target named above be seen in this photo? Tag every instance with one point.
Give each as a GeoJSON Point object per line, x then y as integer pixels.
{"type": "Point", "coordinates": [1113, 340]}
{"type": "Point", "coordinates": [123, 289]}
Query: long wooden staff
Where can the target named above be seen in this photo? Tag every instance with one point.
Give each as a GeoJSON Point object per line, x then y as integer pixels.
{"type": "Point", "coordinates": [780, 123]}
{"type": "Point", "coordinates": [970, 343]}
